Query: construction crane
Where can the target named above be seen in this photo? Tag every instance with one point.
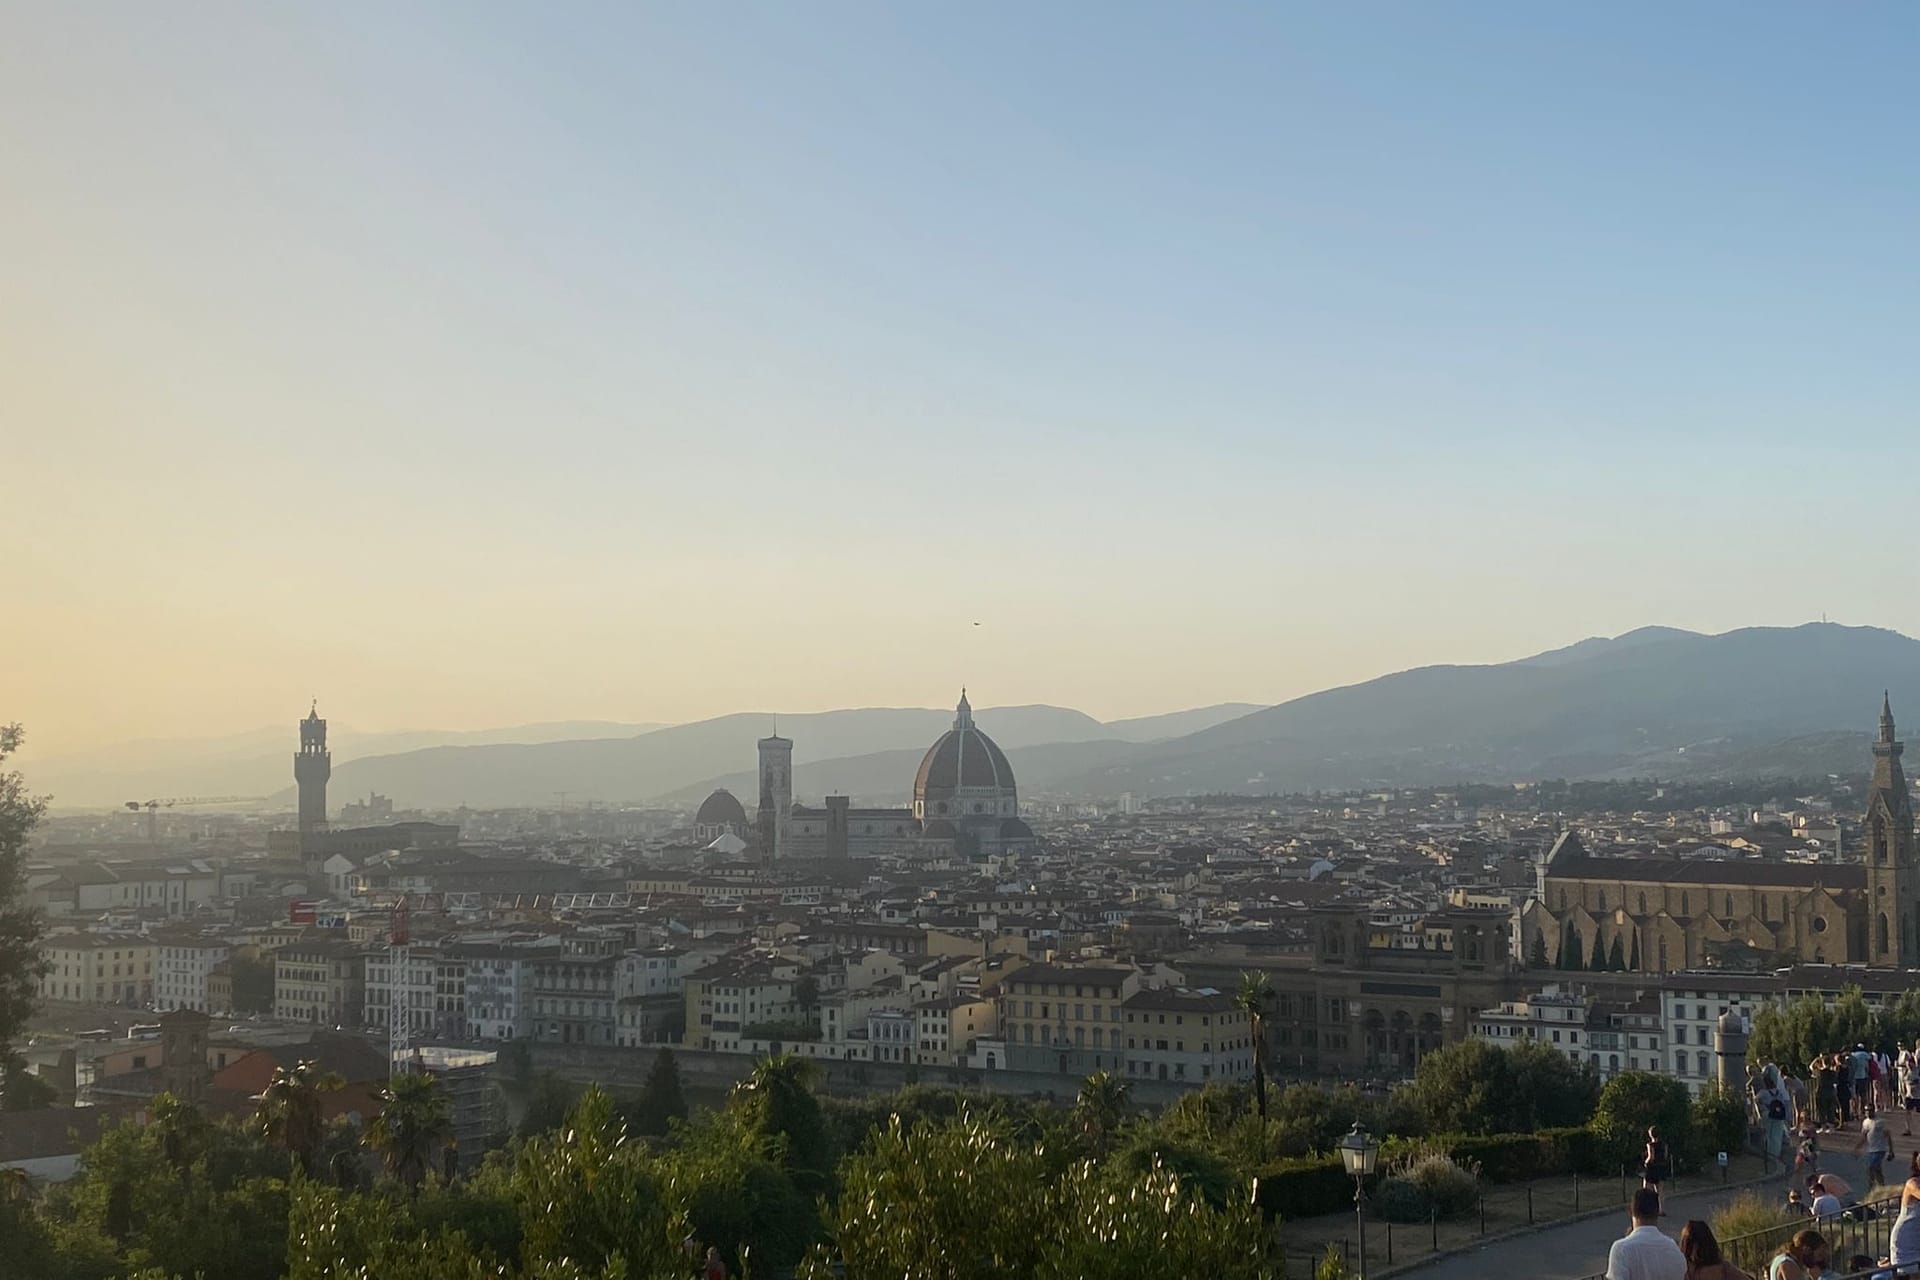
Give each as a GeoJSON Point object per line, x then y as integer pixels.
{"type": "Point", "coordinates": [153, 808]}
{"type": "Point", "coordinates": [399, 939]}
{"type": "Point", "coordinates": [401, 1057]}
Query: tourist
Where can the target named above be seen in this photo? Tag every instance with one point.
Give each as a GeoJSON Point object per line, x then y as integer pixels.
{"type": "Point", "coordinates": [1702, 1253]}
{"type": "Point", "coordinates": [1859, 1063]}
{"type": "Point", "coordinates": [1804, 1257]}
{"type": "Point", "coordinates": [1776, 1114]}
{"type": "Point", "coordinates": [1842, 1088]}
{"type": "Point", "coordinates": [1826, 1097]}
{"type": "Point", "coordinates": [1658, 1166]}
{"type": "Point", "coordinates": [1909, 1087]}
{"type": "Point", "coordinates": [1644, 1253]}
{"type": "Point", "coordinates": [1878, 1141]}
{"type": "Point", "coordinates": [715, 1268]}
{"type": "Point", "coordinates": [1905, 1237]}
{"type": "Point", "coordinates": [1806, 1150]}
{"type": "Point", "coordinates": [1825, 1203]}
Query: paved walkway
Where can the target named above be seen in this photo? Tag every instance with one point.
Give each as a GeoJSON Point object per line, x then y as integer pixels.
{"type": "Point", "coordinates": [1580, 1248]}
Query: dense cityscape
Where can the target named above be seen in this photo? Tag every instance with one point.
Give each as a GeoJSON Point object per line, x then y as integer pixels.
{"type": "Point", "coordinates": [973, 941]}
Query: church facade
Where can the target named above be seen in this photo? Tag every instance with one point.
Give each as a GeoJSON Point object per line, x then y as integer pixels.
{"type": "Point", "coordinates": [966, 804]}
{"type": "Point", "coordinates": [1658, 915]}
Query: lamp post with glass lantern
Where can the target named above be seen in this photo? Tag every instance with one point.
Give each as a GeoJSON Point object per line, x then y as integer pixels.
{"type": "Point", "coordinates": [1359, 1152]}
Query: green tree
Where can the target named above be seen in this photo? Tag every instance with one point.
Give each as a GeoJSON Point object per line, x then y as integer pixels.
{"type": "Point", "coordinates": [588, 1194]}
{"type": "Point", "coordinates": [1569, 946]}
{"type": "Point", "coordinates": [1254, 999]}
{"type": "Point", "coordinates": [1101, 1109]}
{"type": "Point", "coordinates": [662, 1100]}
{"type": "Point", "coordinates": [1719, 1121]}
{"type": "Point", "coordinates": [548, 1100]}
{"type": "Point", "coordinates": [22, 1090]}
{"type": "Point", "coordinates": [1632, 1101]}
{"type": "Point", "coordinates": [1616, 956]}
{"type": "Point", "coordinates": [413, 1128]}
{"type": "Point", "coordinates": [806, 994]}
{"type": "Point", "coordinates": [1472, 1086]}
{"type": "Point", "coordinates": [1633, 962]}
{"type": "Point", "coordinates": [954, 1201]}
{"type": "Point", "coordinates": [252, 984]}
{"type": "Point", "coordinates": [1598, 962]}
{"type": "Point", "coordinates": [1537, 953]}
{"type": "Point", "coordinates": [292, 1114]}
{"type": "Point", "coordinates": [21, 961]}
{"type": "Point", "coordinates": [776, 1101]}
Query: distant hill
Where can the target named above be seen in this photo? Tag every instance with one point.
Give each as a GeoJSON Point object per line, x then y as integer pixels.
{"type": "Point", "coordinates": [668, 760]}
{"type": "Point", "coordinates": [1653, 702]}
{"type": "Point", "coordinates": [259, 761]}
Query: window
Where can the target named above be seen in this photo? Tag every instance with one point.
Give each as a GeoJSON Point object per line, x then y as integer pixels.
{"type": "Point", "coordinates": [1680, 1063]}
{"type": "Point", "coordinates": [1702, 1062]}
{"type": "Point", "coordinates": [1680, 1034]}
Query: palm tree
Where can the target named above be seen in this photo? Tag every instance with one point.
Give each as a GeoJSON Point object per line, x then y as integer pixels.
{"type": "Point", "coordinates": [1256, 993]}
{"type": "Point", "coordinates": [290, 1113]}
{"type": "Point", "coordinates": [1102, 1107]}
{"type": "Point", "coordinates": [413, 1125]}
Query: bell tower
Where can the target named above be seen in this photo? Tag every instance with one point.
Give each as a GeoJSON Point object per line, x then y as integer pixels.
{"type": "Point", "coordinates": [776, 794]}
{"type": "Point", "coordinates": [312, 766]}
{"type": "Point", "coordinates": [1893, 881]}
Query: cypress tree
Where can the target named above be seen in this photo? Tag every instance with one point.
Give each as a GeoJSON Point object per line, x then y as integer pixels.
{"type": "Point", "coordinates": [1537, 957]}
{"type": "Point", "coordinates": [1616, 956]}
{"type": "Point", "coordinates": [1599, 961]}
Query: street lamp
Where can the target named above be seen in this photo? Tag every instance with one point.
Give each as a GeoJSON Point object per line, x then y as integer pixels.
{"type": "Point", "coordinates": [1359, 1152]}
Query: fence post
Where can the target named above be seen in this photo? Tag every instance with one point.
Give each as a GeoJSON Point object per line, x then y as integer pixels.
{"type": "Point", "coordinates": [1436, 1230]}
{"type": "Point", "coordinates": [1529, 1204]}
{"type": "Point", "coordinates": [1483, 1213]}
{"type": "Point", "coordinates": [1389, 1242]}
{"type": "Point", "coordinates": [1576, 1192]}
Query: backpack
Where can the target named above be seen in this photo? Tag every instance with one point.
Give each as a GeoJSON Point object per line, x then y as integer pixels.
{"type": "Point", "coordinates": [1776, 1108]}
{"type": "Point", "coordinates": [1873, 1066]}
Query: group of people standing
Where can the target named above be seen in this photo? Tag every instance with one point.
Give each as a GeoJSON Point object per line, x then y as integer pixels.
{"type": "Point", "coordinates": [1849, 1083]}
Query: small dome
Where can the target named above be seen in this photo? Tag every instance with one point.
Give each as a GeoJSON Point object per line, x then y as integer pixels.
{"type": "Point", "coordinates": [721, 810]}
{"type": "Point", "coordinates": [1015, 829]}
{"type": "Point", "coordinates": [940, 829]}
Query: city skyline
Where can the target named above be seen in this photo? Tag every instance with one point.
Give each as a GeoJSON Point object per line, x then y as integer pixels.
{"type": "Point", "coordinates": [484, 369]}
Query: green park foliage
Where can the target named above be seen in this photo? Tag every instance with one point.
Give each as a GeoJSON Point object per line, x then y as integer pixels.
{"type": "Point", "coordinates": [924, 1182]}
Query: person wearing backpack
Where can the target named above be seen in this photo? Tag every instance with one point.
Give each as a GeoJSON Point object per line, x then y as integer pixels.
{"type": "Point", "coordinates": [1776, 1115]}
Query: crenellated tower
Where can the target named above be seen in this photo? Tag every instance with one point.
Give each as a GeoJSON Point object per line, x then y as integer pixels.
{"type": "Point", "coordinates": [312, 766]}
{"type": "Point", "coordinates": [1893, 881]}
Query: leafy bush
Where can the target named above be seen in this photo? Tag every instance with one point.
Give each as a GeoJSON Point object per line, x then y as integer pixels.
{"type": "Point", "coordinates": [1475, 1087]}
{"type": "Point", "coordinates": [1304, 1188]}
{"type": "Point", "coordinates": [1428, 1183]}
{"type": "Point", "coordinates": [1332, 1265]}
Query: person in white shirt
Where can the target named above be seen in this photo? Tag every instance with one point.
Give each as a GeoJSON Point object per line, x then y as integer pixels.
{"type": "Point", "coordinates": [1825, 1203]}
{"type": "Point", "coordinates": [1646, 1253]}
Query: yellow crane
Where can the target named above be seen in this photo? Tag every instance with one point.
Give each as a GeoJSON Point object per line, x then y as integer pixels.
{"type": "Point", "coordinates": [153, 808]}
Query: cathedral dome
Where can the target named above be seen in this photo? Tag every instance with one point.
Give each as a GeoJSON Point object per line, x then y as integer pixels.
{"type": "Point", "coordinates": [721, 810]}
{"type": "Point", "coordinates": [964, 774]}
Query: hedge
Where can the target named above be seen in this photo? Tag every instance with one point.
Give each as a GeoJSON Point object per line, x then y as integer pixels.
{"type": "Point", "coordinates": [1311, 1186]}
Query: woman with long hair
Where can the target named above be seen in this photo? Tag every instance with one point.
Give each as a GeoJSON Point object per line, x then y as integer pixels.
{"type": "Point", "coordinates": [1702, 1253]}
{"type": "Point", "coordinates": [1805, 1257]}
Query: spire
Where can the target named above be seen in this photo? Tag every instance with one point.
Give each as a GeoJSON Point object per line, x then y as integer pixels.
{"type": "Point", "coordinates": [963, 714]}
{"type": "Point", "coordinates": [1886, 718]}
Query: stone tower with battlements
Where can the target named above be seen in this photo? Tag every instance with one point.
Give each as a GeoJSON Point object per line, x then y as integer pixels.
{"type": "Point", "coordinates": [312, 766]}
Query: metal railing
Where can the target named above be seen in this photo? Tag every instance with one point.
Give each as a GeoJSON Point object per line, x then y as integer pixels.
{"type": "Point", "coordinates": [1848, 1235]}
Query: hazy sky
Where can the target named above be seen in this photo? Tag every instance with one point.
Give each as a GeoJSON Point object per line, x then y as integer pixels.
{"type": "Point", "coordinates": [472, 364]}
